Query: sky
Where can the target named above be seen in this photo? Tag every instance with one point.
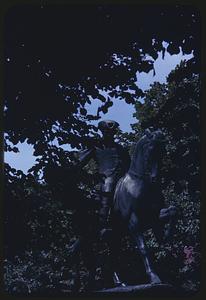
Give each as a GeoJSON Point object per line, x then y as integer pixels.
{"type": "Point", "coordinates": [120, 111]}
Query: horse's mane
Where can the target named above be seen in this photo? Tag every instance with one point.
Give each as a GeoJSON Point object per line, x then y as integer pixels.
{"type": "Point", "coordinates": [141, 143]}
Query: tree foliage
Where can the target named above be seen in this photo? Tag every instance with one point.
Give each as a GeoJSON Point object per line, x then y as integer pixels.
{"type": "Point", "coordinates": [175, 108]}
{"type": "Point", "coordinates": [59, 58]}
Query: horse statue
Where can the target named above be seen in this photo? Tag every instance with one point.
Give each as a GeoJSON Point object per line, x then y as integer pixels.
{"type": "Point", "coordinates": [138, 202]}
{"type": "Point", "coordinates": [138, 205]}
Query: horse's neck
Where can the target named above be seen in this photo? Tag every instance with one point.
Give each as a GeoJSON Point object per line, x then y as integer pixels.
{"type": "Point", "coordinates": [137, 163]}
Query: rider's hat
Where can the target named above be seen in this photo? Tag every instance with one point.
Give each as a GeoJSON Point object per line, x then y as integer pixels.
{"type": "Point", "coordinates": [108, 125]}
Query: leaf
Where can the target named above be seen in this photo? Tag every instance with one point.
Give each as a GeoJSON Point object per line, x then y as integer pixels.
{"type": "Point", "coordinates": [104, 109]}
{"type": "Point", "coordinates": [163, 52]}
{"type": "Point", "coordinates": [83, 111]}
{"type": "Point", "coordinates": [101, 97]}
{"type": "Point", "coordinates": [173, 49]}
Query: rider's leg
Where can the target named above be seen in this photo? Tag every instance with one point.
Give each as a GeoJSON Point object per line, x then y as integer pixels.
{"type": "Point", "coordinates": [107, 194]}
{"type": "Point", "coordinates": [105, 208]}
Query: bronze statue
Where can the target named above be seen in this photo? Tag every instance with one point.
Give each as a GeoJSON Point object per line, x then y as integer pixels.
{"type": "Point", "coordinates": [137, 203]}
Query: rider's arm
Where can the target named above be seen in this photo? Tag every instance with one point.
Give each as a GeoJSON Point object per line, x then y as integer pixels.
{"type": "Point", "coordinates": [84, 157]}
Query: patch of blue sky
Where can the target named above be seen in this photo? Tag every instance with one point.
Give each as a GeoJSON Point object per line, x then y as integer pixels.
{"type": "Point", "coordinates": [22, 160]}
{"type": "Point", "coordinates": [123, 112]}
{"type": "Point", "coordinates": [120, 111]}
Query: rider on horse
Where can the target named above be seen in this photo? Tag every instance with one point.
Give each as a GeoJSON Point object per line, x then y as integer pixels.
{"type": "Point", "coordinates": [113, 162]}
{"type": "Point", "coordinates": [138, 203]}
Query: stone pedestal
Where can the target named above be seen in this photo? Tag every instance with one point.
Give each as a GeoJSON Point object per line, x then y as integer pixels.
{"type": "Point", "coordinates": [142, 290]}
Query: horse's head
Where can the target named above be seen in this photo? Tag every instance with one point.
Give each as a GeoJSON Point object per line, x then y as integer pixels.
{"type": "Point", "coordinates": [156, 140]}
{"type": "Point", "coordinates": [153, 146]}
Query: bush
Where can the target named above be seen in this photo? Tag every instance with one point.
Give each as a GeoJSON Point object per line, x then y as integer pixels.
{"type": "Point", "coordinates": [178, 261]}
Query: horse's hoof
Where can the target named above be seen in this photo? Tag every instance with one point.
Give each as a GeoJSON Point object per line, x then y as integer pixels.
{"type": "Point", "coordinates": [90, 287]}
{"type": "Point", "coordinates": [120, 284]}
{"type": "Point", "coordinates": [154, 279]}
{"type": "Point", "coordinates": [117, 281]}
{"type": "Point", "coordinates": [156, 282]}
{"type": "Point", "coordinates": [123, 284]}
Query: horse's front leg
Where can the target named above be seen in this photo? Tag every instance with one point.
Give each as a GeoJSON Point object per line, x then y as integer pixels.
{"type": "Point", "coordinates": [141, 248]}
{"type": "Point", "coordinates": [153, 277]}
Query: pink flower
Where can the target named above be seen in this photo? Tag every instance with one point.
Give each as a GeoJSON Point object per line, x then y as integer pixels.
{"type": "Point", "coordinates": [189, 253]}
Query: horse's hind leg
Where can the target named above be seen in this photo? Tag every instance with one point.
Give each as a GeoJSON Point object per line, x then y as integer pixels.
{"type": "Point", "coordinates": [84, 246]}
{"type": "Point", "coordinates": [115, 246]}
{"type": "Point", "coordinates": [114, 243]}
{"type": "Point", "coordinates": [153, 277]}
{"type": "Point", "coordinates": [89, 258]}
{"type": "Point", "coordinates": [140, 246]}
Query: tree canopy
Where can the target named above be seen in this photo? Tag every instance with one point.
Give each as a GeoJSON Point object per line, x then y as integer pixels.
{"type": "Point", "coordinates": [175, 108]}
{"type": "Point", "coordinates": [58, 58]}
{"type": "Point", "coordinates": [54, 212]}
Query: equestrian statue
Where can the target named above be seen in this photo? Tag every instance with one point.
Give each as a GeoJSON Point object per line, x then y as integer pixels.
{"type": "Point", "coordinates": [130, 195]}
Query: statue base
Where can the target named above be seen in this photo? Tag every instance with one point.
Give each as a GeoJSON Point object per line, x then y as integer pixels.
{"type": "Point", "coordinates": [142, 290]}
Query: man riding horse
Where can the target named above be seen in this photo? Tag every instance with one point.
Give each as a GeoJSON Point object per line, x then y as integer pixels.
{"type": "Point", "coordinates": [113, 162]}
{"type": "Point", "coordinates": [133, 191]}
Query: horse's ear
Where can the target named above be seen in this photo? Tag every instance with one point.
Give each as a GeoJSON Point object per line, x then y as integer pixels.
{"type": "Point", "coordinates": [158, 134]}
{"type": "Point", "coordinates": [148, 133]}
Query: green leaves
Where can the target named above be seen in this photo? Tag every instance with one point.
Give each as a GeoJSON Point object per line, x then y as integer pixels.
{"type": "Point", "coordinates": [40, 90]}
{"type": "Point", "coordinates": [173, 49]}
{"type": "Point", "coordinates": [83, 111]}
{"type": "Point", "coordinates": [47, 104]}
{"type": "Point", "coordinates": [104, 108]}
{"type": "Point", "coordinates": [174, 107]}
